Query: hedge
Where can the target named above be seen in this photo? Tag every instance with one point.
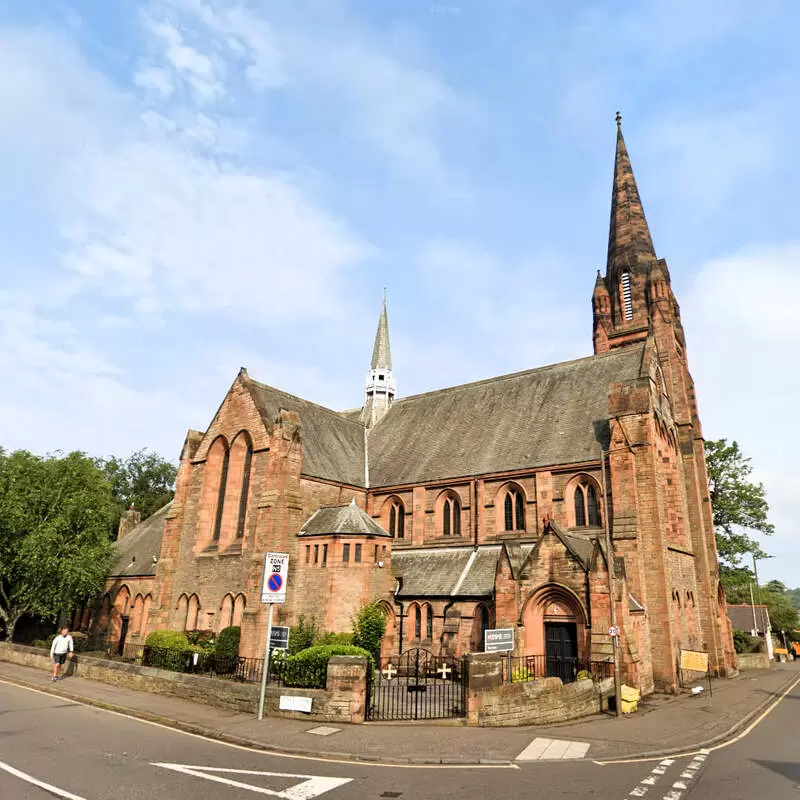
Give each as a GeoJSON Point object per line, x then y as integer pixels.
{"type": "Point", "coordinates": [308, 668]}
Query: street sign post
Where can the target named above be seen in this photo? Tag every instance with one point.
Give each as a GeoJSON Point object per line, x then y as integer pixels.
{"type": "Point", "coordinates": [279, 637]}
{"type": "Point", "coordinates": [273, 590]}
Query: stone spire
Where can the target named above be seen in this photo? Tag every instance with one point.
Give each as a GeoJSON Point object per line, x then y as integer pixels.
{"type": "Point", "coordinates": [380, 387]}
{"type": "Point", "coordinates": [628, 237]}
{"type": "Point", "coordinates": [623, 301]}
{"type": "Point", "coordinates": [381, 352]}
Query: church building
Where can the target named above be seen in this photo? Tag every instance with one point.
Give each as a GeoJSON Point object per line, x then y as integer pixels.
{"type": "Point", "coordinates": [485, 505]}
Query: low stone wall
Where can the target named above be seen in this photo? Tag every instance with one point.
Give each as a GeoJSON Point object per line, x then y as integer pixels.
{"type": "Point", "coordinates": [490, 702]}
{"type": "Point", "coordinates": [752, 661]}
{"type": "Point", "coordinates": [343, 699]}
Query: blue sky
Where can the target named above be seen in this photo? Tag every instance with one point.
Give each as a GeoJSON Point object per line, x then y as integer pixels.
{"type": "Point", "coordinates": [190, 186]}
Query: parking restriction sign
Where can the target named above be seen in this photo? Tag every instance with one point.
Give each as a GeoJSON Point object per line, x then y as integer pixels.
{"type": "Point", "coordinates": [273, 585]}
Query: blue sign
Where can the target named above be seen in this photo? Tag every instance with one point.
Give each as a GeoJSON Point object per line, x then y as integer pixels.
{"type": "Point", "coordinates": [275, 582]}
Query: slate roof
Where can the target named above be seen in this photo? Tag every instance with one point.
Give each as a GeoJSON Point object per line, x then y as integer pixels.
{"type": "Point", "coordinates": [341, 519]}
{"type": "Point", "coordinates": [551, 415]}
{"type": "Point", "coordinates": [333, 446]}
{"type": "Point", "coordinates": [446, 571]}
{"type": "Point", "coordinates": [741, 617]}
{"type": "Point", "coordinates": [134, 552]}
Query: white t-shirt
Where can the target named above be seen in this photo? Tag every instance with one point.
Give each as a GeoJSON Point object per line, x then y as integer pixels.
{"type": "Point", "coordinates": [61, 644]}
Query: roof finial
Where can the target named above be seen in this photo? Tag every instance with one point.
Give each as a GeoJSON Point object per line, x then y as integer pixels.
{"type": "Point", "coordinates": [619, 120]}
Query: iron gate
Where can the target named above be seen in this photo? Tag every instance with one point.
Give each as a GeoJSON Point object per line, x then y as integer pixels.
{"type": "Point", "coordinates": [417, 685]}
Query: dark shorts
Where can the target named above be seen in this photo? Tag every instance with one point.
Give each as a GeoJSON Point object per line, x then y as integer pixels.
{"type": "Point", "coordinates": [59, 658]}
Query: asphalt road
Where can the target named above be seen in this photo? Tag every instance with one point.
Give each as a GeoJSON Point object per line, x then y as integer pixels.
{"type": "Point", "coordinates": [82, 753]}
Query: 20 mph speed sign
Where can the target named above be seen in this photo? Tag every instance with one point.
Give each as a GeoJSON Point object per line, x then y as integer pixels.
{"type": "Point", "coordinates": [273, 584]}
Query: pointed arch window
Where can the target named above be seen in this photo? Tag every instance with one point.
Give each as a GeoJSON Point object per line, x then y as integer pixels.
{"type": "Point", "coordinates": [417, 623]}
{"type": "Point", "coordinates": [451, 517]}
{"type": "Point", "coordinates": [248, 460]}
{"type": "Point", "coordinates": [627, 301]}
{"type": "Point", "coordinates": [397, 520]}
{"type": "Point", "coordinates": [514, 510]}
{"type": "Point", "coordinates": [429, 623]}
{"type": "Point", "coordinates": [223, 485]}
{"type": "Point", "coordinates": [587, 511]}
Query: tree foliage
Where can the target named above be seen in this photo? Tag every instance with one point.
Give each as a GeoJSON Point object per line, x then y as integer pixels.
{"type": "Point", "coordinates": [369, 626]}
{"type": "Point", "coordinates": [739, 505]}
{"type": "Point", "coordinates": [55, 552]}
{"type": "Point", "coordinates": [144, 479]}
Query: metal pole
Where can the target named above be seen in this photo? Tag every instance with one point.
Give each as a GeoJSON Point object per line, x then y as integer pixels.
{"type": "Point", "coordinates": [753, 607]}
{"type": "Point", "coordinates": [758, 594]}
{"type": "Point", "coordinates": [612, 594]}
{"type": "Point", "coordinates": [265, 671]}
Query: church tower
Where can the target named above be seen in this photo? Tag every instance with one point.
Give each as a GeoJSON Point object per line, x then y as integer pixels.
{"type": "Point", "coordinates": [636, 288]}
{"type": "Point", "coordinates": [380, 388]}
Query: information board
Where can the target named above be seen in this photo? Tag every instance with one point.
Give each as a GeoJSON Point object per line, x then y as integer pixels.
{"type": "Point", "coordinates": [279, 637]}
{"type": "Point", "coordinates": [499, 640]}
{"type": "Point", "coordinates": [276, 572]}
{"type": "Point", "coordinates": [694, 661]}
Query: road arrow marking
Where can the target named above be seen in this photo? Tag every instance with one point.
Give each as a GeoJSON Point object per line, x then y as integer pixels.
{"type": "Point", "coordinates": [309, 787]}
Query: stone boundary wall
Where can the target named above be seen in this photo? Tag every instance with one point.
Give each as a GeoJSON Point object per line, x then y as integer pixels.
{"type": "Point", "coordinates": [752, 661]}
{"type": "Point", "coordinates": [343, 699]}
{"type": "Point", "coordinates": [490, 702]}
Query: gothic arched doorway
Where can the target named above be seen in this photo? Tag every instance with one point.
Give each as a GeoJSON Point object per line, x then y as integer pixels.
{"type": "Point", "coordinates": [555, 628]}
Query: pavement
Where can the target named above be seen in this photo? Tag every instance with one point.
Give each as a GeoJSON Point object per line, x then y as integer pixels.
{"type": "Point", "coordinates": [664, 725]}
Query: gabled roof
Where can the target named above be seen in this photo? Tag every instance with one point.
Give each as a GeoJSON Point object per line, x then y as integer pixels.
{"type": "Point", "coordinates": [446, 571]}
{"type": "Point", "coordinates": [135, 551]}
{"type": "Point", "coordinates": [541, 417]}
{"type": "Point", "coordinates": [349, 519]}
{"type": "Point", "coordinates": [333, 445]}
{"type": "Point", "coordinates": [742, 615]}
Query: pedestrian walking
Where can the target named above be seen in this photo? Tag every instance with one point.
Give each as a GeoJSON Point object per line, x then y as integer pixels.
{"type": "Point", "coordinates": [60, 651]}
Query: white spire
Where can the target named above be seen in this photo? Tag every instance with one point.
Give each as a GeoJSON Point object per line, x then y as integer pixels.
{"type": "Point", "coordinates": [380, 387]}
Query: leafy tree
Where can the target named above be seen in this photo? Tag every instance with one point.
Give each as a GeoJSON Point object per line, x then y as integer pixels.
{"type": "Point", "coordinates": [144, 479]}
{"type": "Point", "coordinates": [369, 625]}
{"type": "Point", "coordinates": [303, 635]}
{"type": "Point", "coordinates": [782, 616]}
{"type": "Point", "coordinates": [55, 514]}
{"type": "Point", "coordinates": [739, 505]}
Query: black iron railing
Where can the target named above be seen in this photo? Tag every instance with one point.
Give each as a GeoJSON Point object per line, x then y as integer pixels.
{"type": "Point", "coordinates": [237, 668]}
{"type": "Point", "coordinates": [518, 669]}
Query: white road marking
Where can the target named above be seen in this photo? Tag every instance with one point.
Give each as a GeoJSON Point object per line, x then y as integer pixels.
{"type": "Point", "coordinates": [690, 774]}
{"type": "Point", "coordinates": [41, 784]}
{"type": "Point", "coordinates": [641, 789]}
{"type": "Point", "coordinates": [541, 749]}
{"type": "Point", "coordinates": [309, 787]}
{"type": "Point", "coordinates": [705, 751]}
{"type": "Point", "coordinates": [131, 715]}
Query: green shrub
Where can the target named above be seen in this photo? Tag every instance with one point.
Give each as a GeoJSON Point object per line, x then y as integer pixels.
{"type": "Point", "coordinates": [173, 639]}
{"type": "Point", "coordinates": [80, 642]}
{"type": "Point", "coordinates": [40, 643]}
{"type": "Point", "coordinates": [303, 635]}
{"type": "Point", "coordinates": [226, 652]}
{"type": "Point", "coordinates": [335, 638]}
{"type": "Point", "coordinates": [743, 642]}
{"type": "Point", "coordinates": [169, 650]}
{"type": "Point", "coordinates": [228, 642]}
{"type": "Point", "coordinates": [521, 674]}
{"type": "Point", "coordinates": [308, 668]}
{"type": "Point", "coordinates": [202, 640]}
{"type": "Point", "coordinates": [369, 625]}
{"type": "Point", "coordinates": [584, 675]}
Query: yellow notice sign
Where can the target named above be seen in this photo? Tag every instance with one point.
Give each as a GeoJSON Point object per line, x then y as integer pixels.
{"type": "Point", "coordinates": [694, 661]}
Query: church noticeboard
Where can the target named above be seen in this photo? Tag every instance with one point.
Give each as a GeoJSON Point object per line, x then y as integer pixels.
{"type": "Point", "coordinates": [694, 661]}
{"type": "Point", "coordinates": [500, 640]}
